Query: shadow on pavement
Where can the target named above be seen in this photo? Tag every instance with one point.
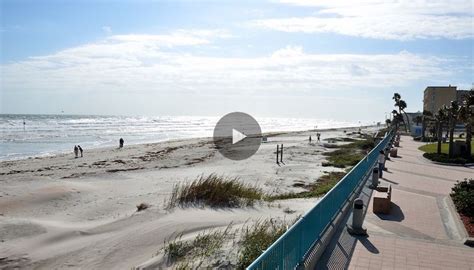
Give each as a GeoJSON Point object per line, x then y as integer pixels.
{"type": "Point", "coordinates": [364, 240]}
{"type": "Point", "coordinates": [396, 214]}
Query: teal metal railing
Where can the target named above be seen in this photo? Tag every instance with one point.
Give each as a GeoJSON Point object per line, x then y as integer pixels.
{"type": "Point", "coordinates": [293, 246]}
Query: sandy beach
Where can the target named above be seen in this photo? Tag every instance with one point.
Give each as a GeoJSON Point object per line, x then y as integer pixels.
{"type": "Point", "coordinates": [80, 213]}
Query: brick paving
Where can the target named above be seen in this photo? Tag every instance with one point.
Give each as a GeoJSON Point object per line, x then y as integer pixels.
{"type": "Point", "coordinates": [419, 233]}
{"type": "Point", "coordinates": [411, 237]}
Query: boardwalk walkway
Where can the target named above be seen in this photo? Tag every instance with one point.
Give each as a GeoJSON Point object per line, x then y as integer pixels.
{"type": "Point", "coordinates": [420, 233]}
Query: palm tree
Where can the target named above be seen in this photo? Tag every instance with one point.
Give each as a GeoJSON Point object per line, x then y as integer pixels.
{"type": "Point", "coordinates": [397, 118]}
{"type": "Point", "coordinates": [418, 119]}
{"type": "Point", "coordinates": [440, 118]}
{"type": "Point", "coordinates": [426, 117]}
{"type": "Point", "coordinates": [453, 113]}
{"type": "Point", "coordinates": [466, 115]}
{"type": "Point", "coordinates": [402, 105]}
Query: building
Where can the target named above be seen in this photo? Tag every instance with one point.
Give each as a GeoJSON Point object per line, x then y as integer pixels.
{"type": "Point", "coordinates": [435, 97]}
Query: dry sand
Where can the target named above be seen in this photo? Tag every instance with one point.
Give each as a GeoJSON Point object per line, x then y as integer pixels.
{"type": "Point", "coordinates": [80, 213]}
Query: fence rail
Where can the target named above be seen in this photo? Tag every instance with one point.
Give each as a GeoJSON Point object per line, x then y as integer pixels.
{"type": "Point", "coordinates": [292, 247]}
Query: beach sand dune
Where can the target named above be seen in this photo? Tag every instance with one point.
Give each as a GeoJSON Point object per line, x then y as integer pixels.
{"type": "Point", "coordinates": [80, 213]}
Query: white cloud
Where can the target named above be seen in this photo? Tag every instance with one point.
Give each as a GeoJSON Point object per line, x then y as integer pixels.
{"type": "Point", "coordinates": [144, 63]}
{"type": "Point", "coordinates": [381, 19]}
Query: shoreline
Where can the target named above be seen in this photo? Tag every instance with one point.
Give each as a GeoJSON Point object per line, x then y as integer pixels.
{"type": "Point", "coordinates": [267, 134]}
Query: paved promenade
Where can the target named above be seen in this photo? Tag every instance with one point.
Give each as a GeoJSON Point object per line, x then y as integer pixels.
{"type": "Point", "coordinates": [420, 233]}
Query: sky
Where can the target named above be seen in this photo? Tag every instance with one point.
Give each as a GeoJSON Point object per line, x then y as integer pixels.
{"type": "Point", "coordinates": [331, 59]}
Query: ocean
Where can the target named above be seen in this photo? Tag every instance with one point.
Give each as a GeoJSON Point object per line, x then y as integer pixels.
{"type": "Point", "coordinates": [23, 136]}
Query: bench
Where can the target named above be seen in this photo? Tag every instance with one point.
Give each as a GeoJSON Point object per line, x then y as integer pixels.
{"type": "Point", "coordinates": [382, 202]}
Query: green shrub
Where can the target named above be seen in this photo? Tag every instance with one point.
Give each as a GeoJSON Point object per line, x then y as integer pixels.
{"type": "Point", "coordinates": [463, 197]}
{"type": "Point", "coordinates": [214, 191]}
{"type": "Point", "coordinates": [444, 158]}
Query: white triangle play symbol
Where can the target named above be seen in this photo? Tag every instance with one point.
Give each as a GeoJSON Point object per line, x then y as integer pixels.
{"type": "Point", "coordinates": [237, 136]}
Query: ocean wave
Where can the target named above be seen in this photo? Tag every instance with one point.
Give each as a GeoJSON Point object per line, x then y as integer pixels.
{"type": "Point", "coordinates": [48, 134]}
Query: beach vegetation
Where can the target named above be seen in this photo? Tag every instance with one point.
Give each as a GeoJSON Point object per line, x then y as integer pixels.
{"type": "Point", "coordinates": [203, 250]}
{"type": "Point", "coordinates": [257, 237]}
{"type": "Point", "coordinates": [214, 191]}
{"type": "Point", "coordinates": [322, 186]}
{"type": "Point", "coordinates": [200, 247]}
{"type": "Point", "coordinates": [463, 198]}
{"type": "Point", "coordinates": [349, 154]}
{"type": "Point", "coordinates": [341, 139]}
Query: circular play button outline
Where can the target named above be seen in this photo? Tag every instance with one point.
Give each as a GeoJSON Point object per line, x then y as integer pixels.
{"type": "Point", "coordinates": [237, 136]}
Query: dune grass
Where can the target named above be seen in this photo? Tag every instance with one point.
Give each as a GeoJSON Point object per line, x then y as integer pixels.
{"type": "Point", "coordinates": [349, 154]}
{"type": "Point", "coordinates": [342, 158]}
{"type": "Point", "coordinates": [258, 237]}
{"type": "Point", "coordinates": [207, 247]}
{"type": "Point", "coordinates": [214, 191]}
{"type": "Point", "coordinates": [203, 245]}
{"type": "Point", "coordinates": [317, 189]}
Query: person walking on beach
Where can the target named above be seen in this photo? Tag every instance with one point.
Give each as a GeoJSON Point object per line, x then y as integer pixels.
{"type": "Point", "coordinates": [76, 150]}
{"type": "Point", "coordinates": [80, 149]}
{"type": "Point", "coordinates": [309, 138]}
{"type": "Point", "coordinates": [120, 143]}
{"type": "Point", "coordinates": [319, 136]}
{"type": "Point", "coordinates": [381, 161]}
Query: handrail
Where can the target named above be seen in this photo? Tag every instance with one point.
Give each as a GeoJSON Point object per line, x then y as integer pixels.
{"type": "Point", "coordinates": [291, 249]}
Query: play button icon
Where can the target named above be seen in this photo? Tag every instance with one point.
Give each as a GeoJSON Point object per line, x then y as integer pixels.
{"type": "Point", "coordinates": [237, 136]}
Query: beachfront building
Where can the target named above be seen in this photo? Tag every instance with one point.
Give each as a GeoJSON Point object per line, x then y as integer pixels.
{"type": "Point", "coordinates": [435, 97]}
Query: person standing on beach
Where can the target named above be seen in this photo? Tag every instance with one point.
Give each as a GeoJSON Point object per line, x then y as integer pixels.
{"type": "Point", "coordinates": [76, 150]}
{"type": "Point", "coordinates": [309, 138]}
{"type": "Point", "coordinates": [381, 161]}
{"type": "Point", "coordinates": [80, 149]}
{"type": "Point", "coordinates": [319, 136]}
{"type": "Point", "coordinates": [120, 143]}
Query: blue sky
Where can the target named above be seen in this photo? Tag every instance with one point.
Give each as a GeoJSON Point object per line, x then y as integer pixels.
{"type": "Point", "coordinates": [297, 58]}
